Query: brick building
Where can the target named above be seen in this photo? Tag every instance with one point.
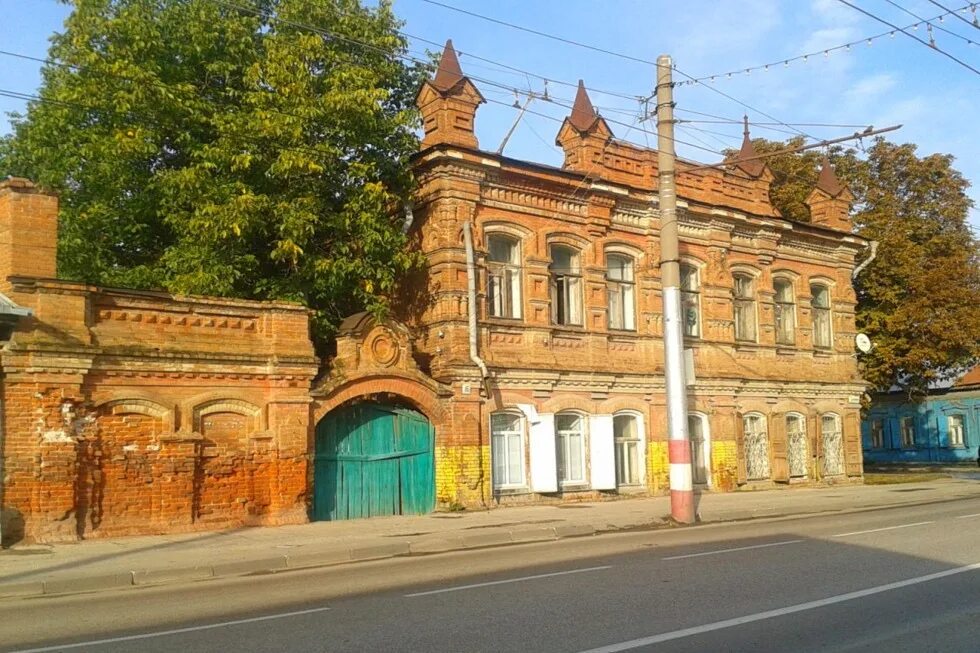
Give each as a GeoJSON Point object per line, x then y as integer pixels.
{"type": "Point", "coordinates": [526, 366]}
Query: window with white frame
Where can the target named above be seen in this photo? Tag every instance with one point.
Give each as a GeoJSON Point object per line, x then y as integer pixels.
{"type": "Point", "coordinates": [744, 298]}
{"type": "Point", "coordinates": [626, 439]}
{"type": "Point", "coordinates": [620, 292]}
{"type": "Point", "coordinates": [796, 441]}
{"type": "Point", "coordinates": [504, 276]}
{"type": "Point", "coordinates": [878, 434]}
{"type": "Point", "coordinates": [507, 450]}
{"type": "Point", "coordinates": [690, 300]}
{"type": "Point", "coordinates": [955, 424]}
{"type": "Point", "coordinates": [566, 286]}
{"type": "Point", "coordinates": [832, 444]}
{"type": "Point", "coordinates": [570, 434]}
{"type": "Point", "coordinates": [907, 427]}
{"type": "Point", "coordinates": [785, 312]}
{"type": "Point", "coordinates": [820, 305]}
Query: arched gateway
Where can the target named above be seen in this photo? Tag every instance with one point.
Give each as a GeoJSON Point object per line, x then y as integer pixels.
{"type": "Point", "coordinates": [373, 459]}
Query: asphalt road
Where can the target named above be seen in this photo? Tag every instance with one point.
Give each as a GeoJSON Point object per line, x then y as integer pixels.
{"type": "Point", "coordinates": [905, 579]}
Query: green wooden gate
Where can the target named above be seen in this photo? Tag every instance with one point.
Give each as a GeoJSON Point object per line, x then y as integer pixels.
{"type": "Point", "coordinates": [371, 460]}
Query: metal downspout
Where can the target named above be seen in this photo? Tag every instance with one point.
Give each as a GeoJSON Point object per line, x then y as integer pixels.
{"type": "Point", "coordinates": [873, 244]}
{"type": "Point", "coordinates": [471, 304]}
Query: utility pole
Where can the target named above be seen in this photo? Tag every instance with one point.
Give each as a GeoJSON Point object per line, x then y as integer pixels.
{"type": "Point", "coordinates": [679, 451]}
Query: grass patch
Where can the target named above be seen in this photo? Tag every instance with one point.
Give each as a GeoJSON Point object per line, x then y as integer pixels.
{"type": "Point", "coordinates": [901, 477]}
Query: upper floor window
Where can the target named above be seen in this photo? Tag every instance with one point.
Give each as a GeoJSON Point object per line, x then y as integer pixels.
{"type": "Point", "coordinates": [620, 285]}
{"type": "Point", "coordinates": [907, 425]}
{"type": "Point", "coordinates": [690, 301]}
{"type": "Point", "coordinates": [785, 312]}
{"type": "Point", "coordinates": [877, 434]}
{"type": "Point", "coordinates": [566, 286]}
{"type": "Point", "coordinates": [507, 449]}
{"type": "Point", "coordinates": [504, 276]}
{"type": "Point", "coordinates": [744, 307]}
{"type": "Point", "coordinates": [821, 316]}
{"type": "Point", "coordinates": [955, 423]}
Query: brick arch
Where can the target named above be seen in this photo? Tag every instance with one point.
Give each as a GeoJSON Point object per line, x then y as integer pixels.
{"type": "Point", "coordinates": [619, 404]}
{"type": "Point", "coordinates": [420, 395]}
{"type": "Point", "coordinates": [138, 405]}
{"type": "Point", "coordinates": [560, 404]}
{"type": "Point", "coordinates": [227, 405]}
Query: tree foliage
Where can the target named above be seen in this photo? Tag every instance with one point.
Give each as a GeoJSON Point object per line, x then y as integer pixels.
{"type": "Point", "coordinates": [225, 148]}
{"type": "Point", "coordinates": [919, 300]}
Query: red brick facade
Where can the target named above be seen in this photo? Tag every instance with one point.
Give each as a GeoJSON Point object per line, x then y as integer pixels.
{"type": "Point", "coordinates": [135, 412]}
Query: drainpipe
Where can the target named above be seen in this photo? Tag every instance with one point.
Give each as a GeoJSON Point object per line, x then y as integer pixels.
{"type": "Point", "coordinates": [471, 304]}
{"type": "Point", "coordinates": [873, 244]}
{"type": "Point", "coordinates": [409, 217]}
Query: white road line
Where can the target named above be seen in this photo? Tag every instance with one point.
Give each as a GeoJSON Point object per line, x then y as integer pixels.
{"type": "Point", "coordinates": [887, 528]}
{"type": "Point", "coordinates": [976, 514]}
{"type": "Point", "coordinates": [770, 614]}
{"type": "Point", "coordinates": [740, 548]}
{"type": "Point", "coordinates": [175, 631]}
{"type": "Point", "coordinates": [509, 580]}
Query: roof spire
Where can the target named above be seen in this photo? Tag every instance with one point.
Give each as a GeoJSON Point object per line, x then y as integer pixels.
{"type": "Point", "coordinates": [583, 113]}
{"type": "Point", "coordinates": [747, 160]}
{"type": "Point", "coordinates": [448, 74]}
{"type": "Point", "coordinates": [828, 181]}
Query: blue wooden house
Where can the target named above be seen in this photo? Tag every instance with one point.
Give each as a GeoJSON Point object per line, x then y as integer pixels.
{"type": "Point", "coordinates": [942, 427]}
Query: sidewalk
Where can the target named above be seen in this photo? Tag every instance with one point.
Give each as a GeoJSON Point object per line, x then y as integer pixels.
{"type": "Point", "coordinates": [31, 570]}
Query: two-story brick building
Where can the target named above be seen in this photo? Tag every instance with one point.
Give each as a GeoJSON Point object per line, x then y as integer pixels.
{"type": "Point", "coordinates": [548, 382]}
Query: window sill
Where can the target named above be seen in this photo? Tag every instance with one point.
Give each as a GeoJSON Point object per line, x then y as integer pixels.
{"type": "Point", "coordinates": [567, 329]}
{"type": "Point", "coordinates": [574, 487]}
{"type": "Point", "coordinates": [956, 446]}
{"type": "Point", "coordinates": [623, 333]}
{"type": "Point", "coordinates": [511, 491]}
{"type": "Point", "coordinates": [823, 353]}
{"type": "Point", "coordinates": [504, 321]}
{"type": "Point", "coordinates": [786, 350]}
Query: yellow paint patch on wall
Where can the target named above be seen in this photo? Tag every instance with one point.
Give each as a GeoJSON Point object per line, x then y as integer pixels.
{"type": "Point", "coordinates": [658, 467]}
{"type": "Point", "coordinates": [462, 476]}
{"type": "Point", "coordinates": [724, 464]}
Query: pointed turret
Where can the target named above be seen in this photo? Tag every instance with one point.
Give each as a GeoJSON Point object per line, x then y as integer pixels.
{"type": "Point", "coordinates": [448, 104]}
{"type": "Point", "coordinates": [746, 160]}
{"type": "Point", "coordinates": [830, 200]}
{"type": "Point", "coordinates": [584, 134]}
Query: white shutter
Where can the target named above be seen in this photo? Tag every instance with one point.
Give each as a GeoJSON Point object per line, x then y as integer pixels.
{"type": "Point", "coordinates": [544, 466]}
{"type": "Point", "coordinates": [602, 452]}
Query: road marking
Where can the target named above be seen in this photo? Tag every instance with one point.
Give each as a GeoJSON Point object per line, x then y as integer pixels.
{"type": "Point", "coordinates": [509, 580]}
{"type": "Point", "coordinates": [739, 548]}
{"type": "Point", "coordinates": [887, 528]}
{"type": "Point", "coordinates": [175, 631]}
{"type": "Point", "coordinates": [976, 514]}
{"type": "Point", "coordinates": [779, 612]}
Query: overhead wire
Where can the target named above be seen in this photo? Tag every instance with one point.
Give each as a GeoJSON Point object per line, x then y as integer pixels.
{"type": "Point", "coordinates": [928, 22]}
{"type": "Point", "coordinates": [973, 8]}
{"type": "Point", "coordinates": [912, 36]}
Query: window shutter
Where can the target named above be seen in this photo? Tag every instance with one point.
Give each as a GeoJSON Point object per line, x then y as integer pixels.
{"type": "Point", "coordinates": [815, 437]}
{"type": "Point", "coordinates": [777, 438]}
{"type": "Point", "coordinates": [602, 452]}
{"type": "Point", "coordinates": [544, 465]}
{"type": "Point", "coordinates": [741, 475]}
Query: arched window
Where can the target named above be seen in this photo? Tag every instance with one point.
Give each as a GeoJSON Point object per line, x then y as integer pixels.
{"type": "Point", "coordinates": [507, 450]}
{"type": "Point", "coordinates": [832, 442]}
{"type": "Point", "coordinates": [744, 298]}
{"type": "Point", "coordinates": [504, 276]}
{"type": "Point", "coordinates": [756, 447]}
{"type": "Point", "coordinates": [620, 292]}
{"type": "Point", "coordinates": [566, 286]}
{"type": "Point", "coordinates": [690, 300]}
{"type": "Point", "coordinates": [796, 445]}
{"type": "Point", "coordinates": [570, 434]}
{"type": "Point", "coordinates": [696, 429]}
{"type": "Point", "coordinates": [785, 312]}
{"type": "Point", "coordinates": [626, 438]}
{"type": "Point", "coordinates": [820, 304]}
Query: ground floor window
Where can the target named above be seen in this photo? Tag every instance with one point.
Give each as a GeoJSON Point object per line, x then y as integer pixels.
{"type": "Point", "coordinates": [570, 430]}
{"type": "Point", "coordinates": [699, 461]}
{"type": "Point", "coordinates": [955, 430]}
{"type": "Point", "coordinates": [507, 450]}
{"type": "Point", "coordinates": [626, 438]}
{"type": "Point", "coordinates": [756, 447]}
{"type": "Point", "coordinates": [833, 445]}
{"type": "Point", "coordinates": [878, 434]}
{"type": "Point", "coordinates": [908, 432]}
{"type": "Point", "coordinates": [796, 445]}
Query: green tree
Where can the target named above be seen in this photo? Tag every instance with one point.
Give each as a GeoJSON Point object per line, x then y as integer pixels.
{"type": "Point", "coordinates": [225, 148]}
{"type": "Point", "coordinates": [919, 300]}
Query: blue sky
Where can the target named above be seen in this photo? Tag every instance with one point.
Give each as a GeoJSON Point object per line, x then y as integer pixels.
{"type": "Point", "coordinates": [895, 80]}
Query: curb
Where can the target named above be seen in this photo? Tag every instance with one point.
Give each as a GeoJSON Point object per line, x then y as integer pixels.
{"type": "Point", "coordinates": [156, 577]}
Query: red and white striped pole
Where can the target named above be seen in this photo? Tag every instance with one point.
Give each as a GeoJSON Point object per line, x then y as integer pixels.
{"type": "Point", "coordinates": [679, 450]}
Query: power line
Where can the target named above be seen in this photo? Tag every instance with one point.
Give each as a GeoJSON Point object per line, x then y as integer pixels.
{"type": "Point", "coordinates": [912, 36]}
{"type": "Point", "coordinates": [930, 25]}
{"type": "Point", "coordinates": [816, 53]}
{"type": "Point", "coordinates": [973, 9]}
